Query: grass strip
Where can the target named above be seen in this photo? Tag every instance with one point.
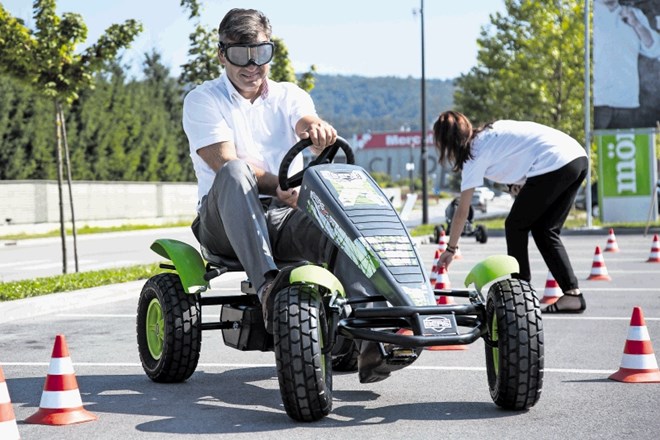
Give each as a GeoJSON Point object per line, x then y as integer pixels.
{"type": "Point", "coordinates": [12, 290]}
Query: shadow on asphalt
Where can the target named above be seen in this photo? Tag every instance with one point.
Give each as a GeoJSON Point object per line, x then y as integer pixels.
{"type": "Point", "coordinates": [238, 400]}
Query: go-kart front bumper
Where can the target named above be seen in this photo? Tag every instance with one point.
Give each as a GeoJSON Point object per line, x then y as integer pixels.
{"type": "Point", "coordinates": [453, 324]}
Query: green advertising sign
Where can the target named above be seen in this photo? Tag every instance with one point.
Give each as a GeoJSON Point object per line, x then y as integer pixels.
{"type": "Point", "coordinates": [624, 164]}
{"type": "Point", "coordinates": [627, 175]}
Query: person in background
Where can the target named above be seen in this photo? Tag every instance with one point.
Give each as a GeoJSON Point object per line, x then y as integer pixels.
{"type": "Point", "coordinates": [545, 166]}
{"type": "Point", "coordinates": [621, 35]}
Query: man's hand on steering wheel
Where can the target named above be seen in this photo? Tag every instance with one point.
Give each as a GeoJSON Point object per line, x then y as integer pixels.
{"type": "Point", "coordinates": [289, 196]}
{"type": "Point", "coordinates": [318, 131]}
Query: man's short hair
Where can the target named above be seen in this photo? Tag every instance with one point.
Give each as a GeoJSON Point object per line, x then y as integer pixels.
{"type": "Point", "coordinates": [243, 26]}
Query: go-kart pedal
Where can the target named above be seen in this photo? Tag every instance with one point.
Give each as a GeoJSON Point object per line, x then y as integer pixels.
{"type": "Point", "coordinates": [376, 364]}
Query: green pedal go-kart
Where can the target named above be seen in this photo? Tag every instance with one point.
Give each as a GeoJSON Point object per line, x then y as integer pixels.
{"type": "Point", "coordinates": [317, 328]}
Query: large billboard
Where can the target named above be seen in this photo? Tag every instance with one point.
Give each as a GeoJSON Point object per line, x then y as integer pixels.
{"type": "Point", "coordinates": [626, 63]}
{"type": "Point", "coordinates": [627, 175]}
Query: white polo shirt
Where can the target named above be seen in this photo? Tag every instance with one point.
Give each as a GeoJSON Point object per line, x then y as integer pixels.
{"type": "Point", "coordinates": [512, 151]}
{"type": "Point", "coordinates": [262, 131]}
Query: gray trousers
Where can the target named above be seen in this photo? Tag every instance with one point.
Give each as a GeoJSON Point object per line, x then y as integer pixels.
{"type": "Point", "coordinates": [234, 223]}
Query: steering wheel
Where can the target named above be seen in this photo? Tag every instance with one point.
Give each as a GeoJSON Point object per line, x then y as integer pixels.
{"type": "Point", "coordinates": [327, 156]}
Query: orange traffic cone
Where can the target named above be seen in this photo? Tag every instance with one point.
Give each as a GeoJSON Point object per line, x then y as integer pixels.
{"type": "Point", "coordinates": [552, 291]}
{"type": "Point", "coordinates": [61, 403]}
{"type": "Point", "coordinates": [638, 364]}
{"type": "Point", "coordinates": [458, 255]}
{"type": "Point", "coordinates": [442, 241]}
{"type": "Point", "coordinates": [654, 257]}
{"type": "Point", "coordinates": [442, 281]}
{"type": "Point", "coordinates": [434, 270]}
{"type": "Point", "coordinates": [611, 245]}
{"type": "Point", "coordinates": [8, 427]}
{"type": "Point", "coordinates": [598, 269]}
{"type": "Point", "coordinates": [443, 284]}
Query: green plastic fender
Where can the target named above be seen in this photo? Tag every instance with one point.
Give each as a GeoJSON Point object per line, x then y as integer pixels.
{"type": "Point", "coordinates": [311, 274]}
{"type": "Point", "coordinates": [187, 261]}
{"type": "Point", "coordinates": [493, 267]}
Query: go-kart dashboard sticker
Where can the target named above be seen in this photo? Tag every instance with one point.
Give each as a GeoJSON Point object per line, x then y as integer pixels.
{"type": "Point", "coordinates": [358, 251]}
{"type": "Point", "coordinates": [393, 250]}
{"type": "Point", "coordinates": [354, 188]}
{"type": "Point", "coordinates": [418, 295]}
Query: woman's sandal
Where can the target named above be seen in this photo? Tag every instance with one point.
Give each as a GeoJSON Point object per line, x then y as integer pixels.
{"type": "Point", "coordinates": [558, 307]}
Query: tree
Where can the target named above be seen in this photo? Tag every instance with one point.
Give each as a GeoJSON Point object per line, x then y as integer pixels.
{"type": "Point", "coordinates": [46, 59]}
{"type": "Point", "coordinates": [530, 66]}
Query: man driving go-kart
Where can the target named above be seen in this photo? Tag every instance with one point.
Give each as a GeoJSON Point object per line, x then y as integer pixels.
{"type": "Point", "coordinates": [239, 127]}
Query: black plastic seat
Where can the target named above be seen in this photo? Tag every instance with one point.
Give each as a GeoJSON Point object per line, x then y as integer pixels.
{"type": "Point", "coordinates": [215, 260]}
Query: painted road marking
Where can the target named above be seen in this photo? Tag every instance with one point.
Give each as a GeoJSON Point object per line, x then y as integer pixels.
{"type": "Point", "coordinates": [237, 366]}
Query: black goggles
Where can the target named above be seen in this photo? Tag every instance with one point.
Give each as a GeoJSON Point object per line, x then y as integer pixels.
{"type": "Point", "coordinates": [242, 55]}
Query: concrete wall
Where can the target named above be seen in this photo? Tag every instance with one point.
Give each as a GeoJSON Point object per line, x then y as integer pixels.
{"type": "Point", "coordinates": [32, 206]}
{"type": "Point", "coordinates": [36, 202]}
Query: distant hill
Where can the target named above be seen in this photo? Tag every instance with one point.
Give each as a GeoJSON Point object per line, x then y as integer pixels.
{"type": "Point", "coordinates": [357, 104]}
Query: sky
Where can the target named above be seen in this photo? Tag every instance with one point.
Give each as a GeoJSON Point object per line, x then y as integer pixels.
{"type": "Point", "coordinates": [347, 37]}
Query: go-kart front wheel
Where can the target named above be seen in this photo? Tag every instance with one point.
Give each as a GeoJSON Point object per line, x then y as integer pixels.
{"type": "Point", "coordinates": [169, 331]}
{"type": "Point", "coordinates": [304, 371]}
{"type": "Point", "coordinates": [514, 358]}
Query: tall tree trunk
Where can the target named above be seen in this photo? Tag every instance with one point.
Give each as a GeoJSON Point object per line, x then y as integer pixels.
{"type": "Point", "coordinates": [59, 185]}
{"type": "Point", "coordinates": [68, 180]}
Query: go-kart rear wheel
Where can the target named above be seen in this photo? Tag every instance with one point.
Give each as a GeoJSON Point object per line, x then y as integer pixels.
{"type": "Point", "coordinates": [514, 361]}
{"type": "Point", "coordinates": [169, 332]}
{"type": "Point", "coordinates": [481, 234]}
{"type": "Point", "coordinates": [303, 370]}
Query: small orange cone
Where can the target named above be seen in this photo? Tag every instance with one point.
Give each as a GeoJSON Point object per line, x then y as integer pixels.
{"type": "Point", "coordinates": [638, 364]}
{"type": "Point", "coordinates": [61, 403]}
{"type": "Point", "coordinates": [8, 427]}
{"type": "Point", "coordinates": [434, 270]}
{"type": "Point", "coordinates": [654, 257]}
{"type": "Point", "coordinates": [442, 281]}
{"type": "Point", "coordinates": [552, 291]}
{"type": "Point", "coordinates": [612, 245]}
{"type": "Point", "coordinates": [442, 241]}
{"type": "Point", "coordinates": [598, 269]}
{"type": "Point", "coordinates": [443, 284]}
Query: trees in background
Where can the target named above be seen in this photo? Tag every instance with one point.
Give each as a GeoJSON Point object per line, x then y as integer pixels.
{"type": "Point", "coordinates": [46, 60]}
{"type": "Point", "coordinates": [530, 66]}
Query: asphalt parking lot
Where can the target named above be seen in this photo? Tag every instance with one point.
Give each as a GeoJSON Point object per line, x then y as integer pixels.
{"type": "Point", "coordinates": [444, 394]}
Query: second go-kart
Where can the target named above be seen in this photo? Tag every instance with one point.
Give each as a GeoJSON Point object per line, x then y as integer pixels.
{"type": "Point", "coordinates": [480, 232]}
{"type": "Point", "coordinates": [318, 328]}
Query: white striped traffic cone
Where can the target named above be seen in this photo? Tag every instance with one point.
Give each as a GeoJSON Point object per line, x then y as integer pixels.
{"type": "Point", "coordinates": [434, 270]}
{"type": "Point", "coordinates": [444, 284]}
{"type": "Point", "coordinates": [598, 268]}
{"type": "Point", "coordinates": [61, 403]}
{"type": "Point", "coordinates": [552, 290]}
{"type": "Point", "coordinates": [612, 245]}
{"type": "Point", "coordinates": [442, 242]}
{"type": "Point", "coordinates": [654, 257]}
{"type": "Point", "coordinates": [638, 364]}
{"type": "Point", "coordinates": [8, 427]}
